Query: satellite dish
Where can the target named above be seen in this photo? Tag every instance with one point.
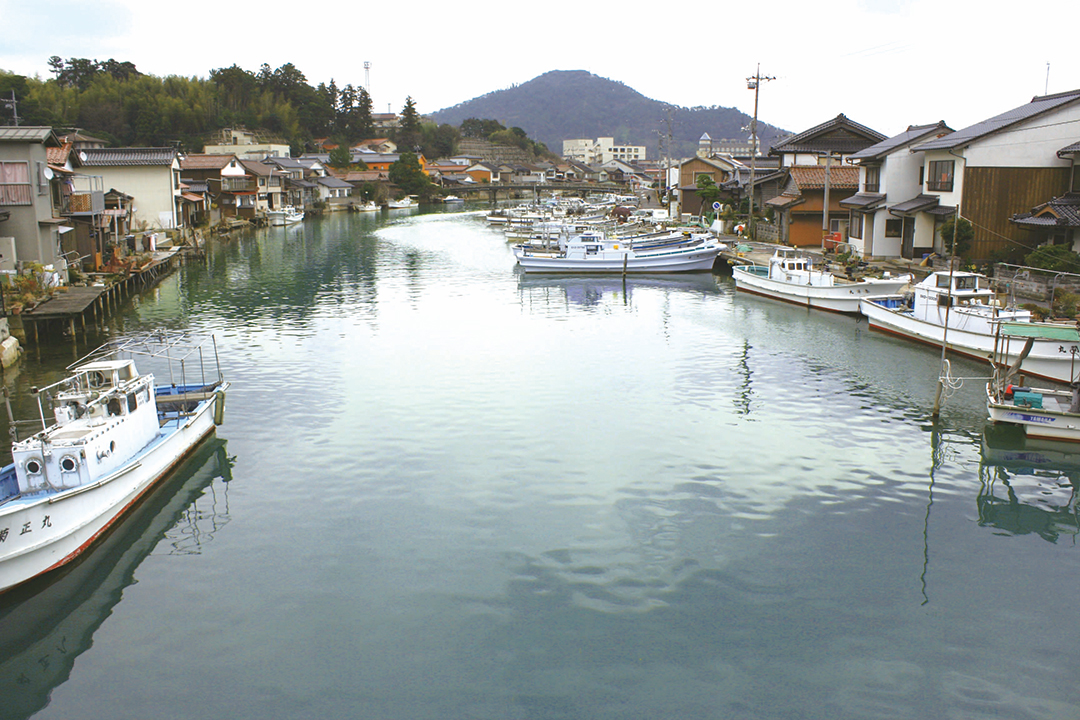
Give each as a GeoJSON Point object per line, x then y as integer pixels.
{"type": "Point", "coordinates": [48, 173]}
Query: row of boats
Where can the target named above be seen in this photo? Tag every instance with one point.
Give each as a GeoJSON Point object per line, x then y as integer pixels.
{"type": "Point", "coordinates": [608, 235]}
{"type": "Point", "coordinates": [957, 311]}
{"type": "Point", "coordinates": [954, 310]}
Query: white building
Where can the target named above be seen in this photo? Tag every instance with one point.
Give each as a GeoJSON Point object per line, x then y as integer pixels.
{"type": "Point", "coordinates": [882, 221]}
{"type": "Point", "coordinates": [601, 150]}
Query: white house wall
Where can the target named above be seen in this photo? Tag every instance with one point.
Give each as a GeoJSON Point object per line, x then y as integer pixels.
{"type": "Point", "coordinates": [899, 182]}
{"type": "Point", "coordinates": [946, 198]}
{"type": "Point", "coordinates": [1032, 144]}
{"type": "Point", "coordinates": [152, 188]}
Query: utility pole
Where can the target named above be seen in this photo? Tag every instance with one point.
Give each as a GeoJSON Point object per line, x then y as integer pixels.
{"type": "Point", "coordinates": [668, 190]}
{"type": "Point", "coordinates": [14, 105]}
{"type": "Point", "coordinates": [825, 202]}
{"type": "Point", "coordinates": [754, 83]}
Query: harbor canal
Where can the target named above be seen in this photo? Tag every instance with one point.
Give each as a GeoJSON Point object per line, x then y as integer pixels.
{"type": "Point", "coordinates": [447, 490]}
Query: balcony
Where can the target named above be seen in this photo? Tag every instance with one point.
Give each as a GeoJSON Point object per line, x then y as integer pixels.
{"type": "Point", "coordinates": [234, 185]}
{"type": "Point", "coordinates": [81, 196]}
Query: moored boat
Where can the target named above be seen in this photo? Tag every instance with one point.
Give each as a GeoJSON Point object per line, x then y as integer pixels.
{"type": "Point", "coordinates": [409, 201]}
{"type": "Point", "coordinates": [974, 315]}
{"type": "Point", "coordinates": [1047, 413]}
{"type": "Point", "coordinates": [287, 215]}
{"type": "Point", "coordinates": [792, 277]}
{"type": "Point", "coordinates": [110, 436]}
{"type": "Point", "coordinates": [595, 252]}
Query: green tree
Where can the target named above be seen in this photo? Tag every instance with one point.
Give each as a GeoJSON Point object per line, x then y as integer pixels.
{"type": "Point", "coordinates": [340, 157]}
{"type": "Point", "coordinates": [1059, 258]}
{"type": "Point", "coordinates": [482, 129]}
{"type": "Point", "coordinates": [440, 140]}
{"type": "Point", "coordinates": [708, 191]}
{"type": "Point", "coordinates": [407, 174]}
{"type": "Point", "coordinates": [409, 131]}
{"type": "Point", "coordinates": [964, 234]}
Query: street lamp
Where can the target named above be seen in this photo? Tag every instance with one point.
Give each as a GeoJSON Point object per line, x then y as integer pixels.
{"type": "Point", "coordinates": [754, 83]}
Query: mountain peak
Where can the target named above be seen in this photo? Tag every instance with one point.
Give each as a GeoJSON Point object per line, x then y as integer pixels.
{"type": "Point", "coordinates": [566, 104]}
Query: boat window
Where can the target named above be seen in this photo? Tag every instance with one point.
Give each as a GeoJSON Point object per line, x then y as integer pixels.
{"type": "Point", "coordinates": [133, 402]}
{"type": "Point", "coordinates": [967, 283]}
{"type": "Point", "coordinates": [943, 281]}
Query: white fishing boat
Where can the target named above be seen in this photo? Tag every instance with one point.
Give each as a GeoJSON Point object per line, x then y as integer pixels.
{"type": "Point", "coordinates": [792, 277]}
{"type": "Point", "coordinates": [595, 252]}
{"type": "Point", "coordinates": [452, 199]}
{"type": "Point", "coordinates": [366, 206]}
{"type": "Point", "coordinates": [105, 435]}
{"type": "Point", "coordinates": [409, 201]}
{"type": "Point", "coordinates": [974, 314]}
{"type": "Point", "coordinates": [287, 215]}
{"type": "Point", "coordinates": [1047, 413]}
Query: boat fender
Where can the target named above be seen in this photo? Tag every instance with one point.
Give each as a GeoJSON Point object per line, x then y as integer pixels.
{"type": "Point", "coordinates": [219, 407]}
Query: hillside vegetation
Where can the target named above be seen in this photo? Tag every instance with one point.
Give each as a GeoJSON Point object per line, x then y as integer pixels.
{"type": "Point", "coordinates": [113, 100]}
{"type": "Point", "coordinates": [567, 104]}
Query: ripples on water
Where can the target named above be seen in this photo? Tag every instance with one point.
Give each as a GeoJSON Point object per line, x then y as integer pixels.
{"type": "Point", "coordinates": [458, 491]}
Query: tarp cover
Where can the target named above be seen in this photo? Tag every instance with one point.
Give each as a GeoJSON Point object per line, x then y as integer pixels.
{"type": "Point", "coordinates": [1049, 331]}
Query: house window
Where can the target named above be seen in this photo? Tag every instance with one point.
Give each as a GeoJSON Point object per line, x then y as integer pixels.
{"type": "Point", "coordinates": [855, 224]}
{"type": "Point", "coordinates": [873, 179]}
{"type": "Point", "coordinates": [15, 184]}
{"type": "Point", "coordinates": [941, 176]}
{"type": "Point", "coordinates": [894, 228]}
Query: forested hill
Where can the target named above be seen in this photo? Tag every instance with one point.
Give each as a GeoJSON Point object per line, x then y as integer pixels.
{"type": "Point", "coordinates": [566, 104]}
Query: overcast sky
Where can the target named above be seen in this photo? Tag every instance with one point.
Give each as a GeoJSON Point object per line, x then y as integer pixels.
{"type": "Point", "coordinates": [884, 63]}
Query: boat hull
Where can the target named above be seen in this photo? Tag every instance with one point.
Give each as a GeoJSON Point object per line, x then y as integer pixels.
{"type": "Point", "coordinates": [1043, 423]}
{"type": "Point", "coordinates": [695, 260]}
{"type": "Point", "coordinates": [843, 298]}
{"type": "Point", "coordinates": [1050, 360]}
{"type": "Point", "coordinates": [45, 531]}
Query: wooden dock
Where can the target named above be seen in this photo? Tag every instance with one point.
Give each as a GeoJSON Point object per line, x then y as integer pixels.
{"type": "Point", "coordinates": [69, 308]}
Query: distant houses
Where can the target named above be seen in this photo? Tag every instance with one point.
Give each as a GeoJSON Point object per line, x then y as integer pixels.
{"type": "Point", "coordinates": [839, 184]}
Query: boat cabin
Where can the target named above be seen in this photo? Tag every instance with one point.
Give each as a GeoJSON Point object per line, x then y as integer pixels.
{"type": "Point", "coordinates": [102, 414]}
{"type": "Point", "coordinates": [968, 291]}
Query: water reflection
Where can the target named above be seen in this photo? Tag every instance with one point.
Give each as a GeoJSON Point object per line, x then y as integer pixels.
{"type": "Point", "coordinates": [46, 624]}
{"type": "Point", "coordinates": [590, 291]}
{"type": "Point", "coordinates": [1028, 486]}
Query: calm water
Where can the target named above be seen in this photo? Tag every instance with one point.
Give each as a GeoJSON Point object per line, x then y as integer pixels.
{"type": "Point", "coordinates": [447, 491]}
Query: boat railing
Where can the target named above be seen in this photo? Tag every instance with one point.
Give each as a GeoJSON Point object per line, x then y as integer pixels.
{"type": "Point", "coordinates": [184, 357]}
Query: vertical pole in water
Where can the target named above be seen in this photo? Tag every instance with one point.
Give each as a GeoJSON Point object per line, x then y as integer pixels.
{"type": "Point", "coordinates": [945, 330]}
{"type": "Point", "coordinates": [625, 259]}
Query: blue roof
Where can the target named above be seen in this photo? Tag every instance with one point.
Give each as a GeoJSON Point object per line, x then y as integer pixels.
{"type": "Point", "coordinates": [1037, 106]}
